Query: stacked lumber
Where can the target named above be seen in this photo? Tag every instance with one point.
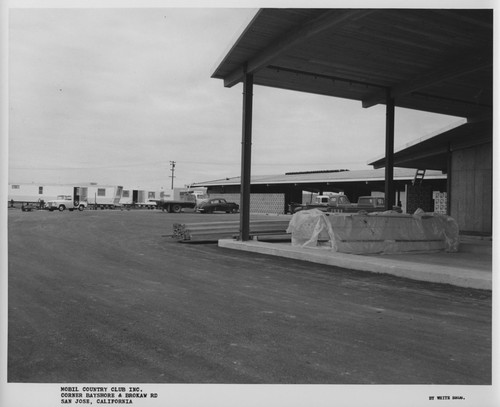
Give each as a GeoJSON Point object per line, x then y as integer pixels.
{"type": "Point", "coordinates": [213, 231]}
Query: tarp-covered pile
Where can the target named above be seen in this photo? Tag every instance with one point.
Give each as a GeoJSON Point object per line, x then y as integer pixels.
{"type": "Point", "coordinates": [382, 232]}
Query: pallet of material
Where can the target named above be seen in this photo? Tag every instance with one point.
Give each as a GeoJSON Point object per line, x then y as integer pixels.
{"type": "Point", "coordinates": [375, 233]}
{"type": "Point", "coordinates": [213, 231]}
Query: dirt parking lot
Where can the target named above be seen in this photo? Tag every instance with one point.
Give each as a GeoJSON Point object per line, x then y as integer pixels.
{"type": "Point", "coordinates": [104, 296]}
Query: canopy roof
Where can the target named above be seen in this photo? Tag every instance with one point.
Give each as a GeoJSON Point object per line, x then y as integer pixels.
{"type": "Point", "coordinates": [435, 60]}
{"type": "Point", "coordinates": [432, 152]}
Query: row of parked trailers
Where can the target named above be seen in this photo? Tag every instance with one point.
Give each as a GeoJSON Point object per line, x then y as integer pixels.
{"type": "Point", "coordinates": [99, 196]}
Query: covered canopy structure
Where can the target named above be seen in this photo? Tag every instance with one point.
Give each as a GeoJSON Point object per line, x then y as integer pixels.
{"type": "Point", "coordinates": [435, 60]}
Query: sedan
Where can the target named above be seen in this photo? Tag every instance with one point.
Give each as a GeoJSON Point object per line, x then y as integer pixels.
{"type": "Point", "coordinates": [218, 204]}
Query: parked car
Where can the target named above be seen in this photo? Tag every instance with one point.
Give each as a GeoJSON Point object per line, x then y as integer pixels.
{"type": "Point", "coordinates": [218, 205]}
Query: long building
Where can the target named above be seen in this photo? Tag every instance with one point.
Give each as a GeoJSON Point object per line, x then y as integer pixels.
{"type": "Point", "coordinates": [274, 193]}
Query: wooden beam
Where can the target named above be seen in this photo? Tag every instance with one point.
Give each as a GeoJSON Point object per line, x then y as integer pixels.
{"type": "Point", "coordinates": [327, 20]}
{"type": "Point", "coordinates": [462, 66]}
{"type": "Point", "coordinates": [486, 116]}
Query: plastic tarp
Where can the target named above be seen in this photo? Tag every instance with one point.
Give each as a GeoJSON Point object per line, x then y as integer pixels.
{"type": "Point", "coordinates": [311, 228]}
{"type": "Point", "coordinates": [379, 232]}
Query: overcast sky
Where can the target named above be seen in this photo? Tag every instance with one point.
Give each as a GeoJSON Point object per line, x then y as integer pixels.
{"type": "Point", "coordinates": [113, 95]}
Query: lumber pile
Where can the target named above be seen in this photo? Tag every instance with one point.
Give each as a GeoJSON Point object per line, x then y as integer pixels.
{"type": "Point", "coordinates": [213, 231]}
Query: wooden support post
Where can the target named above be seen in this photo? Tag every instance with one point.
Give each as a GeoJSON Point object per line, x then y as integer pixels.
{"type": "Point", "coordinates": [246, 157]}
{"type": "Point", "coordinates": [449, 178]}
{"type": "Point", "coordinates": [389, 152]}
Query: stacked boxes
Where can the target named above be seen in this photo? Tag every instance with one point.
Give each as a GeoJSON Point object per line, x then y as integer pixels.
{"type": "Point", "coordinates": [440, 202]}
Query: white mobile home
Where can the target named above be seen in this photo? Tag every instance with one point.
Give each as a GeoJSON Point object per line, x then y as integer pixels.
{"type": "Point", "coordinates": [101, 195]}
{"type": "Point", "coordinates": [131, 196]}
{"type": "Point", "coordinates": [104, 196]}
{"type": "Point", "coordinates": [138, 196]}
{"type": "Point", "coordinates": [38, 192]}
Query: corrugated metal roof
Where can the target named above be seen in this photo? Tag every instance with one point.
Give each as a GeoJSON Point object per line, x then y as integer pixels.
{"type": "Point", "coordinates": [400, 174]}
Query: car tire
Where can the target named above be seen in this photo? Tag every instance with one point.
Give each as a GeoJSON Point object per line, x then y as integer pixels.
{"type": "Point", "coordinates": [81, 208]}
{"type": "Point", "coordinates": [176, 208]}
{"type": "Point", "coordinates": [61, 208]}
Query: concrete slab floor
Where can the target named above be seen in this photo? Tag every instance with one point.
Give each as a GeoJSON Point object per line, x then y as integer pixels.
{"type": "Point", "coordinates": [468, 268]}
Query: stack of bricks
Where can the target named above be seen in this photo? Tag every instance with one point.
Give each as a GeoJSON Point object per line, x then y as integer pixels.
{"type": "Point", "coordinates": [259, 203]}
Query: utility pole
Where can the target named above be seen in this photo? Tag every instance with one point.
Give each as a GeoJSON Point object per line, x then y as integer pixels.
{"type": "Point", "coordinates": [172, 169]}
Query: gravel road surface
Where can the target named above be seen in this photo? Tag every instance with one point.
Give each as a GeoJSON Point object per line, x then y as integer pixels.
{"type": "Point", "coordinates": [104, 296]}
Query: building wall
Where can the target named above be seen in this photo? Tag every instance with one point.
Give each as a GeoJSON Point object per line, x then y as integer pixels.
{"type": "Point", "coordinates": [419, 197]}
{"type": "Point", "coordinates": [471, 201]}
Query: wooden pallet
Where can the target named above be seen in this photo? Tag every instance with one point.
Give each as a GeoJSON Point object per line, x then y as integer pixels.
{"type": "Point", "coordinates": [213, 231]}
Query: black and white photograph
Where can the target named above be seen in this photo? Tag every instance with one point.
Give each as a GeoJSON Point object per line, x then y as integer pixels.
{"type": "Point", "coordinates": [248, 204]}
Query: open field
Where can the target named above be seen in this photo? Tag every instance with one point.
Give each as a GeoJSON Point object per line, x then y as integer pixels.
{"type": "Point", "coordinates": [103, 296]}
